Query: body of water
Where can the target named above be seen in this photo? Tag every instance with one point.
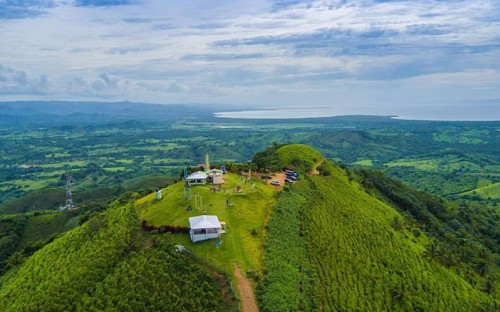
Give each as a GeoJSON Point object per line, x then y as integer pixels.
{"type": "Point", "coordinates": [480, 112]}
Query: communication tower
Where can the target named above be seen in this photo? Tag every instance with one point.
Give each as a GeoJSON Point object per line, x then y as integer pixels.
{"type": "Point", "coordinates": [69, 195]}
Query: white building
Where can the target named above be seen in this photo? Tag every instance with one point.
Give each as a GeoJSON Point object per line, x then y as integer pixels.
{"type": "Point", "coordinates": [215, 176]}
{"type": "Point", "coordinates": [197, 178]}
{"type": "Point", "coordinates": [204, 227]}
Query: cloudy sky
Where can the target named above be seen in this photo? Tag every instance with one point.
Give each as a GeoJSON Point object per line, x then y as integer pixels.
{"type": "Point", "coordinates": [363, 54]}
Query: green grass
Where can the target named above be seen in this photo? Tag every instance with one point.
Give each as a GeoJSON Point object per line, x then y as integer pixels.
{"type": "Point", "coordinates": [298, 156]}
{"type": "Point", "coordinates": [43, 226]}
{"type": "Point", "coordinates": [107, 265]}
{"type": "Point", "coordinates": [426, 165]}
{"type": "Point", "coordinates": [487, 191]}
{"type": "Point", "coordinates": [76, 163]}
{"type": "Point", "coordinates": [30, 185]}
{"type": "Point", "coordinates": [147, 182]}
{"type": "Point", "coordinates": [336, 249]}
{"type": "Point", "coordinates": [115, 169]}
{"type": "Point", "coordinates": [472, 136]}
{"type": "Point", "coordinates": [248, 212]}
{"type": "Point", "coordinates": [364, 162]}
{"type": "Point", "coordinates": [38, 200]}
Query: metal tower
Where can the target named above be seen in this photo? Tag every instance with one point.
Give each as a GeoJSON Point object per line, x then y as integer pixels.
{"type": "Point", "coordinates": [69, 195]}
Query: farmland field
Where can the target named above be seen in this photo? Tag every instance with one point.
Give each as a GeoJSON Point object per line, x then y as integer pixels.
{"type": "Point", "coordinates": [106, 155]}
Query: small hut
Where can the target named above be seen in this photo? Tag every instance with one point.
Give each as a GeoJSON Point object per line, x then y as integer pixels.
{"type": "Point", "coordinates": [204, 227]}
{"type": "Point", "coordinates": [215, 176]}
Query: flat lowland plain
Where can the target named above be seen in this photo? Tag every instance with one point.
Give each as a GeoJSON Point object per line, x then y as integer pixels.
{"type": "Point", "coordinates": [245, 218]}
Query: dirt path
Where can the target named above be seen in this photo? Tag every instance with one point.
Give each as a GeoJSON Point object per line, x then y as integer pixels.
{"type": "Point", "coordinates": [278, 176]}
{"type": "Point", "coordinates": [245, 290]}
{"type": "Point", "coordinates": [314, 170]}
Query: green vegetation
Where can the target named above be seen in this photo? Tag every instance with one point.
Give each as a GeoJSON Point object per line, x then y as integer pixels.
{"type": "Point", "coordinates": [23, 234]}
{"type": "Point", "coordinates": [245, 218]}
{"type": "Point", "coordinates": [299, 157]}
{"type": "Point", "coordinates": [332, 246]}
{"type": "Point", "coordinates": [39, 200]}
{"type": "Point", "coordinates": [364, 163]}
{"type": "Point", "coordinates": [328, 245]}
{"type": "Point", "coordinates": [107, 264]}
{"type": "Point", "coordinates": [106, 152]}
{"type": "Point", "coordinates": [287, 285]}
{"type": "Point", "coordinates": [487, 191]}
{"type": "Point", "coordinates": [456, 225]}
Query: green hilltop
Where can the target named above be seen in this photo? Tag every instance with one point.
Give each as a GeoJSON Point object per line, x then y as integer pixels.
{"type": "Point", "coordinates": [333, 241]}
{"type": "Point", "coordinates": [331, 246]}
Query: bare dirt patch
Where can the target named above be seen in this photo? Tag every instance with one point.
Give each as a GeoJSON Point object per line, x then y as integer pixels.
{"type": "Point", "coordinates": [314, 170]}
{"type": "Point", "coordinates": [279, 176]}
{"type": "Point", "coordinates": [247, 296]}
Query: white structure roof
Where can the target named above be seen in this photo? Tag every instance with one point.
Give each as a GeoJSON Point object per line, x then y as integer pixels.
{"type": "Point", "coordinates": [197, 175]}
{"type": "Point", "coordinates": [204, 222]}
{"type": "Point", "coordinates": [216, 170]}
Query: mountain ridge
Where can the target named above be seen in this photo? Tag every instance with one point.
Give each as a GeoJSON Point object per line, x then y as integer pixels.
{"type": "Point", "coordinates": [331, 243]}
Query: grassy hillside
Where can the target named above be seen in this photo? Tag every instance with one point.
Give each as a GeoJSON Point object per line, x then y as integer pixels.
{"type": "Point", "coordinates": [300, 157]}
{"type": "Point", "coordinates": [106, 264]}
{"type": "Point", "coordinates": [245, 218]}
{"type": "Point", "coordinates": [331, 246]}
{"type": "Point", "coordinates": [38, 200]}
{"type": "Point", "coordinates": [336, 240]}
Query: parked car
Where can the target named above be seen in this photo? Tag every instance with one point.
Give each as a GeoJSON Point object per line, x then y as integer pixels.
{"type": "Point", "coordinates": [287, 180]}
{"type": "Point", "coordinates": [275, 183]}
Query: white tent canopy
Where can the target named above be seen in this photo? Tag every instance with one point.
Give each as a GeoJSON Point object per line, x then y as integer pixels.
{"type": "Point", "coordinates": [197, 175]}
{"type": "Point", "coordinates": [197, 178]}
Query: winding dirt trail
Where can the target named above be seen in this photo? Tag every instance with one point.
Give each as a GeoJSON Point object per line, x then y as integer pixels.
{"type": "Point", "coordinates": [314, 170]}
{"type": "Point", "coordinates": [245, 290]}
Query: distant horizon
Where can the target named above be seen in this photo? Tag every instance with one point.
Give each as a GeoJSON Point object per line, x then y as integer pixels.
{"type": "Point", "coordinates": [368, 54]}
{"type": "Point", "coordinates": [487, 113]}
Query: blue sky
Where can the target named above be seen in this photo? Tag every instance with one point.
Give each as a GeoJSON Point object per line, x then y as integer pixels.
{"type": "Point", "coordinates": [363, 54]}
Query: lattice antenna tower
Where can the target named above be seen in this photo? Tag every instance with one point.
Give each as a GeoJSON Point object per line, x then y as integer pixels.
{"type": "Point", "coordinates": [69, 194]}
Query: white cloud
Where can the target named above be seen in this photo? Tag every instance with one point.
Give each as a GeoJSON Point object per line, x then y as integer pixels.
{"type": "Point", "coordinates": [249, 51]}
{"type": "Point", "coordinates": [14, 81]}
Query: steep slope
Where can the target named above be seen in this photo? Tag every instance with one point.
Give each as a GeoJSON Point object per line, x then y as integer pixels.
{"type": "Point", "coordinates": [330, 246]}
{"type": "Point", "coordinates": [107, 264]}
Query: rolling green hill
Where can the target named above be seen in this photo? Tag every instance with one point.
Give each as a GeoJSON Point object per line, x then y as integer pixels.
{"type": "Point", "coordinates": [107, 264]}
{"type": "Point", "coordinates": [336, 240]}
{"type": "Point", "coordinates": [331, 246]}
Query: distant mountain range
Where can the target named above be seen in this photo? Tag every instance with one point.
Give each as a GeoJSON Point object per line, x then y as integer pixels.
{"type": "Point", "coordinates": [144, 110]}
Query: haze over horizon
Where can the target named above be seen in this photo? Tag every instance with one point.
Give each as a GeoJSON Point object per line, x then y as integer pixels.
{"type": "Point", "coordinates": [361, 55]}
